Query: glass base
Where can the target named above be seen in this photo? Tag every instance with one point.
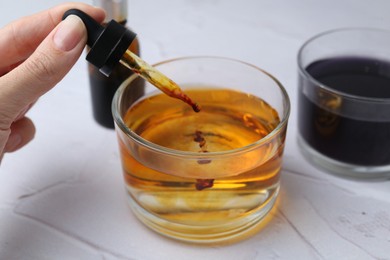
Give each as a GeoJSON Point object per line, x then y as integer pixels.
{"type": "Point", "coordinates": [351, 171]}
{"type": "Point", "coordinates": [224, 233]}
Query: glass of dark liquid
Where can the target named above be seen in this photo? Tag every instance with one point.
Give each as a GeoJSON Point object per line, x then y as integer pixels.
{"type": "Point", "coordinates": [344, 102]}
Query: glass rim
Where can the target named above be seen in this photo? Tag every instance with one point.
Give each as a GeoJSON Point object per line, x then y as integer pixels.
{"type": "Point", "coordinates": [196, 155]}
{"type": "Point", "coordinates": [318, 84]}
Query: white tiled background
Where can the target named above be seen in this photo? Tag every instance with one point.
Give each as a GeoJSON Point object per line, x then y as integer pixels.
{"type": "Point", "coordinates": [62, 197]}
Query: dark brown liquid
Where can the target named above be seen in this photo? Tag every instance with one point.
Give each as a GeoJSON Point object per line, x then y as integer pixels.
{"type": "Point", "coordinates": [202, 183]}
{"type": "Point", "coordinates": [156, 78]}
{"type": "Point", "coordinates": [351, 140]}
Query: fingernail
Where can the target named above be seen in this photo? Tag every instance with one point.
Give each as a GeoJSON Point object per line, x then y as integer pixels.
{"type": "Point", "coordinates": [13, 142]}
{"type": "Point", "coordinates": [69, 33]}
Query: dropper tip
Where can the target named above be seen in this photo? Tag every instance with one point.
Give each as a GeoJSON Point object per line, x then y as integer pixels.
{"type": "Point", "coordinates": [196, 107]}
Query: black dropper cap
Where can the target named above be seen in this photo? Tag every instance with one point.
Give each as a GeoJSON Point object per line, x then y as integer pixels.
{"type": "Point", "coordinates": [108, 44]}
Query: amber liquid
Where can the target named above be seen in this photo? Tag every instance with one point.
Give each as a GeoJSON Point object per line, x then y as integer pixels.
{"type": "Point", "coordinates": [173, 203]}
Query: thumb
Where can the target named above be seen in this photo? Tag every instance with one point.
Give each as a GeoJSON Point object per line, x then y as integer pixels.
{"type": "Point", "coordinates": [50, 62]}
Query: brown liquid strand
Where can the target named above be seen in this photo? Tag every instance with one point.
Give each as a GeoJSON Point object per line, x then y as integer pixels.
{"type": "Point", "coordinates": [202, 183]}
{"type": "Point", "coordinates": [169, 87]}
{"type": "Point", "coordinates": [156, 78]}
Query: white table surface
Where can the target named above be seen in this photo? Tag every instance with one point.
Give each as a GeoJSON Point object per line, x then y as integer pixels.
{"type": "Point", "coordinates": [62, 196]}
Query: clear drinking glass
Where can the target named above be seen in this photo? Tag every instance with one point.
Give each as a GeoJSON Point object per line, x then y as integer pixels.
{"type": "Point", "coordinates": [344, 102]}
{"type": "Point", "coordinates": [210, 176]}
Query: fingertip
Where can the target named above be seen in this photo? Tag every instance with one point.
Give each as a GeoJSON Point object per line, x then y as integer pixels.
{"type": "Point", "coordinates": [69, 33]}
{"type": "Point", "coordinates": [22, 132]}
{"type": "Point", "coordinates": [96, 13]}
{"type": "Point", "coordinates": [100, 14]}
{"type": "Point", "coordinates": [13, 143]}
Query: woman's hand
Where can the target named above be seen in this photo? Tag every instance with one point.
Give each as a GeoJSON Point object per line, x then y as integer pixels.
{"type": "Point", "coordinates": [36, 53]}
